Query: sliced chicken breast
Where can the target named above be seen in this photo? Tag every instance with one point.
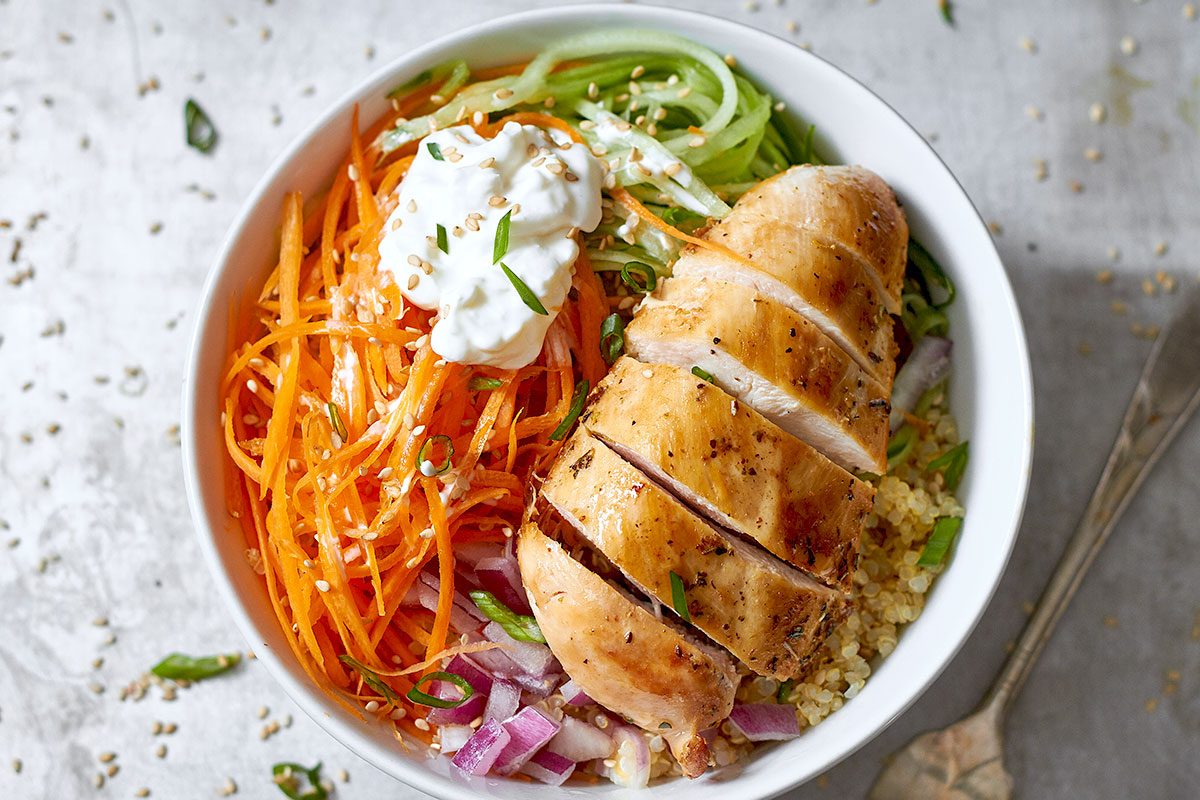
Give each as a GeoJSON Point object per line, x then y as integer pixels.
{"type": "Point", "coordinates": [773, 359]}
{"type": "Point", "coordinates": [768, 615]}
{"type": "Point", "coordinates": [643, 668]}
{"type": "Point", "coordinates": [848, 208]}
{"type": "Point", "coordinates": [823, 283]}
{"type": "Point", "coordinates": [737, 469]}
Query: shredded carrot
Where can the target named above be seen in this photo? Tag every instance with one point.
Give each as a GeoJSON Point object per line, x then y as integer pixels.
{"type": "Point", "coordinates": [322, 398]}
{"type": "Point", "coordinates": [622, 196]}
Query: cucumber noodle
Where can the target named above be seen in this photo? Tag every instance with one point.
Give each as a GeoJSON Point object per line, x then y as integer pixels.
{"type": "Point", "coordinates": [686, 105]}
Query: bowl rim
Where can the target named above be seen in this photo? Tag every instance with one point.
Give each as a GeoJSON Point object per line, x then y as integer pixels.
{"type": "Point", "coordinates": [309, 697]}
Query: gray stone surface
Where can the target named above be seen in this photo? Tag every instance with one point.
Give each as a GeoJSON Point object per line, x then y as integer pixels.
{"type": "Point", "coordinates": [93, 509]}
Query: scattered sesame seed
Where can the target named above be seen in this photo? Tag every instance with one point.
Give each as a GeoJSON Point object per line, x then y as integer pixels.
{"type": "Point", "coordinates": [1034, 113]}
{"type": "Point", "coordinates": [161, 751]}
{"type": "Point", "coordinates": [352, 171]}
{"type": "Point", "coordinates": [1040, 169]}
{"type": "Point", "coordinates": [229, 788]}
{"type": "Point", "coordinates": [1129, 45]}
{"type": "Point", "coordinates": [107, 757]}
{"type": "Point", "coordinates": [100, 622]}
{"type": "Point", "coordinates": [791, 26]}
{"type": "Point", "coordinates": [98, 780]}
{"type": "Point", "coordinates": [421, 724]}
{"type": "Point", "coordinates": [1027, 44]}
{"type": "Point", "coordinates": [1189, 11]}
{"type": "Point", "coordinates": [343, 776]}
{"type": "Point", "coordinates": [1092, 154]}
{"type": "Point", "coordinates": [371, 707]}
{"type": "Point", "coordinates": [1097, 113]}
{"type": "Point", "coordinates": [487, 162]}
{"type": "Point", "coordinates": [1076, 187]}
{"type": "Point", "coordinates": [322, 585]}
{"type": "Point", "coordinates": [730, 60]}
{"type": "Point", "coordinates": [637, 72]}
{"type": "Point", "coordinates": [1104, 277]}
{"type": "Point", "coordinates": [697, 141]}
{"type": "Point", "coordinates": [17, 765]}
{"type": "Point", "coordinates": [142, 792]}
{"type": "Point", "coordinates": [503, 94]}
{"type": "Point", "coordinates": [1118, 307]}
{"type": "Point", "coordinates": [1160, 249]}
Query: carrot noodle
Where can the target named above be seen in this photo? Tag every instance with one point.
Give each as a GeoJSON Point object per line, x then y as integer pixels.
{"type": "Point", "coordinates": [321, 395]}
{"type": "Point", "coordinates": [622, 196]}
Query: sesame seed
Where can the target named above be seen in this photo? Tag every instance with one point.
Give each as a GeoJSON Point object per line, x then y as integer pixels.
{"type": "Point", "coordinates": [412, 206]}
{"type": "Point", "coordinates": [427, 533]}
{"type": "Point", "coordinates": [98, 780]}
{"type": "Point", "coordinates": [495, 201]}
{"type": "Point", "coordinates": [684, 92]}
{"type": "Point", "coordinates": [413, 280]}
{"type": "Point", "coordinates": [1092, 154]}
{"type": "Point", "coordinates": [791, 26]}
{"type": "Point", "coordinates": [593, 91]}
{"type": "Point", "coordinates": [142, 792]}
{"type": "Point", "coordinates": [487, 162]}
{"type": "Point", "coordinates": [352, 171]}
{"type": "Point", "coordinates": [1160, 249]}
{"type": "Point", "coordinates": [1034, 113]}
{"type": "Point", "coordinates": [371, 707]}
{"type": "Point", "coordinates": [398, 713]}
{"type": "Point", "coordinates": [1189, 11]}
{"type": "Point", "coordinates": [697, 141]}
{"type": "Point", "coordinates": [421, 724]}
{"type": "Point", "coordinates": [161, 751]}
{"type": "Point", "coordinates": [1113, 254]}
{"type": "Point", "coordinates": [229, 788]}
{"type": "Point", "coordinates": [417, 431]}
{"type": "Point", "coordinates": [549, 102]}
{"type": "Point", "coordinates": [100, 622]}
{"type": "Point", "coordinates": [322, 585]}
{"type": "Point", "coordinates": [1097, 113]}
{"type": "Point", "coordinates": [637, 72]}
{"type": "Point", "coordinates": [1104, 277]}
{"type": "Point", "coordinates": [1027, 44]}
{"type": "Point", "coordinates": [503, 94]}
{"type": "Point", "coordinates": [263, 711]}
{"type": "Point", "coordinates": [730, 60]}
{"type": "Point", "coordinates": [1129, 45]}
{"type": "Point", "coordinates": [1040, 169]}
{"type": "Point", "coordinates": [412, 562]}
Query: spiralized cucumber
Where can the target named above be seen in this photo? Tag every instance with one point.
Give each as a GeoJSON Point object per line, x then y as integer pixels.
{"type": "Point", "coordinates": [677, 126]}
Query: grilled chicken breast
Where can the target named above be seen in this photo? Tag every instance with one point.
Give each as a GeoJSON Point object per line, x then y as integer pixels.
{"type": "Point", "coordinates": [849, 209]}
{"type": "Point", "coordinates": [738, 469]}
{"type": "Point", "coordinates": [770, 357]}
{"type": "Point", "coordinates": [821, 282]}
{"type": "Point", "coordinates": [768, 615]}
{"type": "Point", "coordinates": [641, 667]}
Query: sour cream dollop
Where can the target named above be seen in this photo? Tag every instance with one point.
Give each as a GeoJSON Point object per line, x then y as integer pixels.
{"type": "Point", "coordinates": [551, 186]}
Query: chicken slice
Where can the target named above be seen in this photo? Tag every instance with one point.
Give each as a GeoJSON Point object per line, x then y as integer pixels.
{"type": "Point", "coordinates": [819, 281]}
{"type": "Point", "coordinates": [850, 209]}
{"type": "Point", "coordinates": [737, 469]}
{"type": "Point", "coordinates": [773, 359]}
{"type": "Point", "coordinates": [626, 660]}
{"type": "Point", "coordinates": [768, 615]}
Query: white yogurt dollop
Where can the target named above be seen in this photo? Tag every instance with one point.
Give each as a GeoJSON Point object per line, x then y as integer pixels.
{"type": "Point", "coordinates": [551, 186]}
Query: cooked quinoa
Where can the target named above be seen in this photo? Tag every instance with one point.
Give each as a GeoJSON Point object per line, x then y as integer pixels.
{"type": "Point", "coordinates": [889, 592]}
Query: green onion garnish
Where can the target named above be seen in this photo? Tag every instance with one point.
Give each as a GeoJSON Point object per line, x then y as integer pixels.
{"type": "Point", "coordinates": [443, 242]}
{"type": "Point", "coordinates": [178, 667]}
{"type": "Point", "coordinates": [677, 215]}
{"type": "Point", "coordinates": [612, 338]}
{"type": "Point", "coordinates": [521, 627]}
{"type": "Point", "coordinates": [947, 10]}
{"type": "Point", "coordinates": [500, 243]}
{"type": "Point", "coordinates": [944, 531]}
{"type": "Point", "coordinates": [201, 133]}
{"type": "Point", "coordinates": [335, 419]}
{"type": "Point", "coordinates": [649, 278]}
{"type": "Point", "coordinates": [702, 375]}
{"type": "Point", "coordinates": [435, 150]}
{"type": "Point", "coordinates": [372, 679]}
{"type": "Point", "coordinates": [527, 296]}
{"type": "Point", "coordinates": [785, 689]}
{"type": "Point", "coordinates": [482, 384]}
{"type": "Point", "coordinates": [952, 464]}
{"type": "Point", "coordinates": [900, 446]}
{"type": "Point", "coordinates": [679, 599]}
{"type": "Point", "coordinates": [417, 696]}
{"type": "Point", "coordinates": [931, 273]}
{"type": "Point", "coordinates": [423, 455]}
{"type": "Point", "coordinates": [287, 777]}
{"type": "Point", "coordinates": [564, 427]}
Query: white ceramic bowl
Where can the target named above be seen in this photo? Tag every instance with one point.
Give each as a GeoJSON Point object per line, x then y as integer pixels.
{"type": "Point", "coordinates": [991, 392]}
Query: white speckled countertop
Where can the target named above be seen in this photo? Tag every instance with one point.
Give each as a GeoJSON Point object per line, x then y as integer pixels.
{"type": "Point", "coordinates": [111, 223]}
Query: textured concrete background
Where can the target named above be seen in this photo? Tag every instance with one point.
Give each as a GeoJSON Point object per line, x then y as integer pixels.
{"type": "Point", "coordinates": [111, 223]}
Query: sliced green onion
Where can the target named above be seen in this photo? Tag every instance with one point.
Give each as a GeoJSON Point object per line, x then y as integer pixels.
{"type": "Point", "coordinates": [944, 532]}
{"type": "Point", "coordinates": [649, 277]}
{"type": "Point", "coordinates": [951, 464]}
{"type": "Point", "coordinates": [435, 150]}
{"type": "Point", "coordinates": [577, 400]}
{"type": "Point", "coordinates": [371, 678]}
{"type": "Point", "coordinates": [201, 133]}
{"type": "Point", "coordinates": [178, 667]}
{"type": "Point", "coordinates": [900, 446]}
{"type": "Point", "coordinates": [612, 338]}
{"type": "Point", "coordinates": [286, 776]}
{"type": "Point", "coordinates": [335, 419]}
{"type": "Point", "coordinates": [785, 689]}
{"type": "Point", "coordinates": [482, 384]}
{"type": "Point", "coordinates": [931, 274]}
{"type": "Point", "coordinates": [442, 241]}
{"type": "Point", "coordinates": [679, 598]}
{"type": "Point", "coordinates": [417, 696]}
{"type": "Point", "coordinates": [932, 394]}
{"type": "Point", "coordinates": [678, 215]}
{"type": "Point", "coordinates": [703, 375]}
{"type": "Point", "coordinates": [500, 243]}
{"type": "Point", "coordinates": [425, 451]}
{"type": "Point", "coordinates": [947, 10]}
{"type": "Point", "coordinates": [521, 627]}
{"type": "Point", "coordinates": [527, 296]}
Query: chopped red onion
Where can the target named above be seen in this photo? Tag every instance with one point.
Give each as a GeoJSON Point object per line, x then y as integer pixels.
{"type": "Point", "coordinates": [483, 748]}
{"type": "Point", "coordinates": [502, 577]}
{"type": "Point", "coordinates": [574, 695]}
{"type": "Point", "coordinates": [427, 598]}
{"type": "Point", "coordinates": [762, 722]}
{"type": "Point", "coordinates": [549, 767]}
{"type": "Point", "coordinates": [460, 714]}
{"type": "Point", "coordinates": [453, 737]}
{"type": "Point", "coordinates": [503, 701]}
{"type": "Point", "coordinates": [528, 730]}
{"type": "Point", "coordinates": [581, 741]}
{"type": "Point", "coordinates": [466, 669]}
{"type": "Point", "coordinates": [460, 600]}
{"type": "Point", "coordinates": [468, 554]}
{"type": "Point", "coordinates": [928, 363]}
{"type": "Point", "coordinates": [535, 659]}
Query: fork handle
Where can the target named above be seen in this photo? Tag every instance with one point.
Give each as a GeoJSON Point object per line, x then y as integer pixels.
{"type": "Point", "coordinates": [1146, 432]}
